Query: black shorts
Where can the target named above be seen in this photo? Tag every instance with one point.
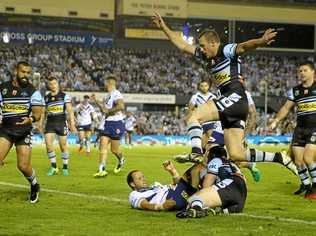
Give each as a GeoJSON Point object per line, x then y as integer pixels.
{"type": "Point", "coordinates": [84, 127]}
{"type": "Point", "coordinates": [233, 107]}
{"type": "Point", "coordinates": [25, 139]}
{"type": "Point", "coordinates": [233, 194]}
{"type": "Point", "coordinates": [58, 128]}
{"type": "Point", "coordinates": [303, 136]}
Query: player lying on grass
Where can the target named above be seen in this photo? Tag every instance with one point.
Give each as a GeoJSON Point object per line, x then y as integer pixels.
{"type": "Point", "coordinates": [162, 197]}
{"type": "Point", "coordinates": [224, 187]}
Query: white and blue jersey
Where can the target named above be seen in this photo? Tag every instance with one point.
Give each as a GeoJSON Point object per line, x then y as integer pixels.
{"type": "Point", "coordinates": [84, 114]}
{"type": "Point", "coordinates": [114, 127]}
{"type": "Point", "coordinates": [130, 123]}
{"type": "Point", "coordinates": [158, 194]}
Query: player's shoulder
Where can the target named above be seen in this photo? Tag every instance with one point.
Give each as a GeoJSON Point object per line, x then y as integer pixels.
{"type": "Point", "coordinates": [134, 198]}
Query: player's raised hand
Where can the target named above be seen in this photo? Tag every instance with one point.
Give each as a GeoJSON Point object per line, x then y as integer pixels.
{"type": "Point", "coordinates": [157, 20]}
{"type": "Point", "coordinates": [269, 36]}
{"type": "Point", "coordinates": [168, 165]}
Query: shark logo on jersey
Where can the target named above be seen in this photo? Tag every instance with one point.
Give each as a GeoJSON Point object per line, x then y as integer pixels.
{"type": "Point", "coordinates": [4, 91]}
{"type": "Point", "coordinates": [297, 92]}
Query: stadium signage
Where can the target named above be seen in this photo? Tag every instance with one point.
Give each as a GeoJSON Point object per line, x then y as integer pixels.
{"type": "Point", "coordinates": [133, 97]}
{"type": "Point", "coordinates": [175, 8]}
{"type": "Point", "coordinates": [15, 35]}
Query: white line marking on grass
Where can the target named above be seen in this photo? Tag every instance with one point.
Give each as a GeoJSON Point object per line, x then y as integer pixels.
{"type": "Point", "coordinates": [113, 199]}
{"type": "Point", "coordinates": [82, 195]}
{"type": "Point", "coordinates": [276, 218]}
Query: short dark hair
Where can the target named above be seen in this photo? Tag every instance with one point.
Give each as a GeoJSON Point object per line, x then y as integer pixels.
{"type": "Point", "coordinates": [216, 151]}
{"type": "Point", "coordinates": [51, 78]}
{"type": "Point", "coordinates": [210, 34]}
{"type": "Point", "coordinates": [310, 64]}
{"type": "Point", "coordinates": [203, 81]}
{"type": "Point", "coordinates": [86, 97]}
{"type": "Point", "coordinates": [130, 179]}
{"type": "Point", "coordinates": [111, 77]}
{"type": "Point", "coordinates": [23, 63]}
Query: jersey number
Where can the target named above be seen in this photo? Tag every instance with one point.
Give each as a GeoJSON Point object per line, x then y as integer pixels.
{"type": "Point", "coordinates": [226, 102]}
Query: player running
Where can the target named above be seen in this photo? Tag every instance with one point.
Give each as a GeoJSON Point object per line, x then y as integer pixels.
{"type": "Point", "coordinates": [21, 105]}
{"type": "Point", "coordinates": [303, 98]}
{"type": "Point", "coordinates": [85, 113]}
{"type": "Point", "coordinates": [113, 126]}
{"type": "Point", "coordinates": [223, 63]}
{"type": "Point", "coordinates": [58, 108]}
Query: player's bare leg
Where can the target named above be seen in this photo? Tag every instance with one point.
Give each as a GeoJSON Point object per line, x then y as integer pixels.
{"type": "Point", "coordinates": [303, 174]}
{"type": "Point", "coordinates": [64, 154]}
{"type": "Point", "coordinates": [309, 159]}
{"type": "Point", "coordinates": [24, 165]}
{"type": "Point", "coordinates": [115, 149]}
{"type": "Point", "coordinates": [81, 135]}
{"type": "Point", "coordinates": [5, 148]}
{"type": "Point", "coordinates": [103, 154]}
{"type": "Point", "coordinates": [49, 141]}
{"type": "Point", "coordinates": [237, 152]}
{"type": "Point", "coordinates": [205, 112]}
{"type": "Point", "coordinates": [87, 143]}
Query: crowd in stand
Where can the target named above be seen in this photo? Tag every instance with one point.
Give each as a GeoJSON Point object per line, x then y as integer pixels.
{"type": "Point", "coordinates": [142, 71]}
{"type": "Point", "coordinates": [147, 71]}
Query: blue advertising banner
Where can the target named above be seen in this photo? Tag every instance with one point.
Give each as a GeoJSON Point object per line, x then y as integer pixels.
{"type": "Point", "coordinates": [16, 35]}
{"type": "Point", "coordinates": [178, 139]}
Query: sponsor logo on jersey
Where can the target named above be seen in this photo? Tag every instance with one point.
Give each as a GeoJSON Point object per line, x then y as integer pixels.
{"type": "Point", "coordinates": [4, 91]}
{"type": "Point", "coordinates": [296, 92]}
{"type": "Point", "coordinates": [305, 91]}
{"type": "Point", "coordinates": [221, 78]}
{"type": "Point", "coordinates": [311, 106]}
{"type": "Point", "coordinates": [55, 109]}
{"type": "Point", "coordinates": [14, 92]}
{"type": "Point", "coordinates": [14, 108]}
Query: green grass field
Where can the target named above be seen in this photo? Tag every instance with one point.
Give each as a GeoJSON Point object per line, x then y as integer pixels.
{"type": "Point", "coordinates": [82, 205]}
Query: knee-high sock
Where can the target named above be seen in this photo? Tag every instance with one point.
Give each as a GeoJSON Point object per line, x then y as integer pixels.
{"type": "Point", "coordinates": [312, 172]}
{"type": "Point", "coordinates": [195, 133]}
{"type": "Point", "coordinates": [303, 174]}
{"type": "Point", "coordinates": [52, 158]}
{"type": "Point", "coordinates": [65, 157]}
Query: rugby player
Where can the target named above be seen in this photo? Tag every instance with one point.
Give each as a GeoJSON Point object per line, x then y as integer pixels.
{"type": "Point", "coordinates": [85, 113]}
{"type": "Point", "coordinates": [160, 197]}
{"type": "Point", "coordinates": [129, 127]}
{"type": "Point", "coordinates": [113, 126]}
{"type": "Point", "coordinates": [21, 105]}
{"type": "Point", "coordinates": [231, 108]}
{"type": "Point", "coordinates": [203, 96]}
{"type": "Point", "coordinates": [58, 109]}
{"type": "Point", "coordinates": [303, 98]}
{"type": "Point", "coordinates": [224, 186]}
